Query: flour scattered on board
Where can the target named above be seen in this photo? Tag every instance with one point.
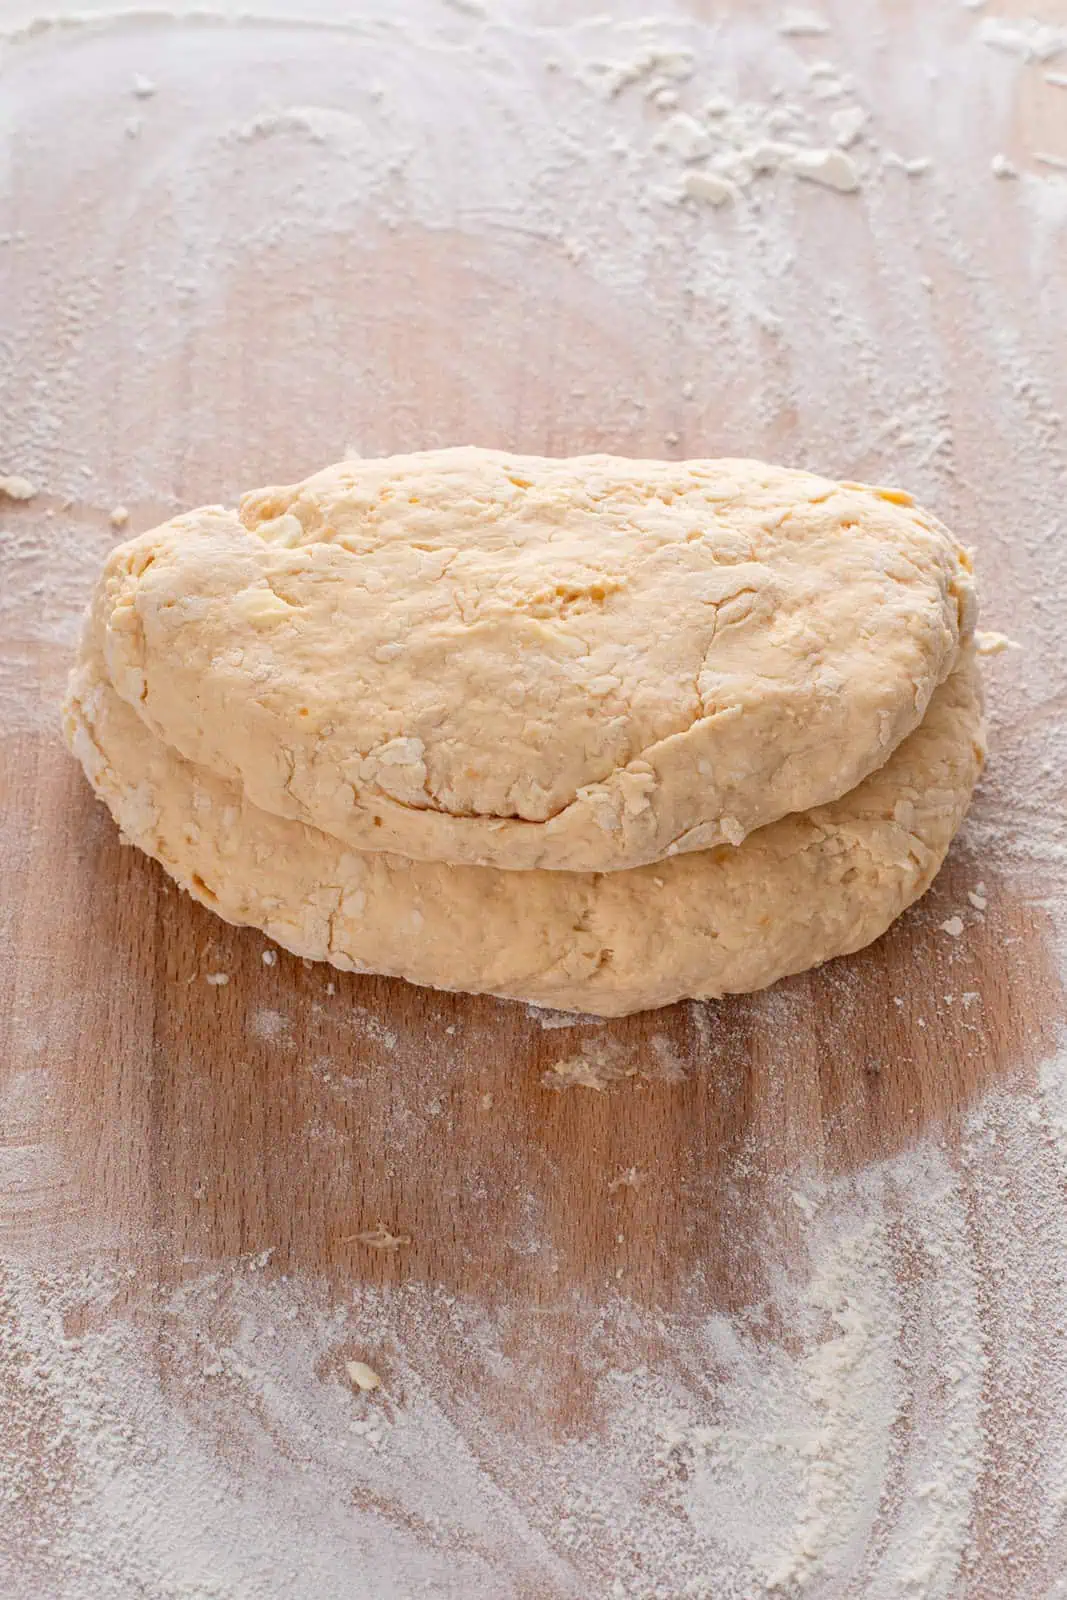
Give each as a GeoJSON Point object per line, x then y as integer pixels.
{"type": "Point", "coordinates": [733, 1458]}
{"type": "Point", "coordinates": [894, 1381]}
{"type": "Point", "coordinates": [1033, 41]}
{"type": "Point", "coordinates": [269, 1024]}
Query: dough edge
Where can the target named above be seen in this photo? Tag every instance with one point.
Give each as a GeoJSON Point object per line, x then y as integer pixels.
{"type": "Point", "coordinates": [793, 895]}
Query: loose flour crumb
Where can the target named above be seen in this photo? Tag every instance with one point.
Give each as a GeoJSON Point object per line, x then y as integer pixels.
{"type": "Point", "coordinates": [15, 487]}
{"type": "Point", "coordinates": [362, 1376]}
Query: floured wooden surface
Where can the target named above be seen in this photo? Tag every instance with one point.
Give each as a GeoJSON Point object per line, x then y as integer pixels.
{"type": "Point", "coordinates": [764, 1296]}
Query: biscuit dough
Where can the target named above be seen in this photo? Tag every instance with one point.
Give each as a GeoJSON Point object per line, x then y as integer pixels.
{"type": "Point", "coordinates": [795, 893]}
{"type": "Point", "coordinates": [469, 656]}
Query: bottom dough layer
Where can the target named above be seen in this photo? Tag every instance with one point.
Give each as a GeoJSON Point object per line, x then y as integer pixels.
{"type": "Point", "coordinates": [812, 886]}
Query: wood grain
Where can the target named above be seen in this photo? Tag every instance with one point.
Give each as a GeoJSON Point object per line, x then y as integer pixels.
{"type": "Point", "coordinates": [293, 1108]}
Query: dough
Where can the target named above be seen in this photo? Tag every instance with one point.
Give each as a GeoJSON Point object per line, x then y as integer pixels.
{"type": "Point", "coordinates": [795, 893]}
{"type": "Point", "coordinates": [474, 657]}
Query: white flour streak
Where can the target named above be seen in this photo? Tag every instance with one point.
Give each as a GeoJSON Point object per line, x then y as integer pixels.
{"type": "Point", "coordinates": [832, 1434]}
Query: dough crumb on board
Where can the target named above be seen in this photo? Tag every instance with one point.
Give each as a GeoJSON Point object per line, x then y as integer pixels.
{"type": "Point", "coordinates": [913, 167]}
{"type": "Point", "coordinates": [15, 487]}
{"type": "Point", "coordinates": [362, 1376]}
{"type": "Point", "coordinates": [832, 169]}
{"type": "Point", "coordinates": [631, 1178]}
{"type": "Point", "coordinates": [600, 1064]}
{"type": "Point", "coordinates": [379, 1238]}
{"type": "Point", "coordinates": [988, 643]}
{"type": "Point", "coordinates": [710, 188]}
{"type": "Point", "coordinates": [588, 1070]}
{"type": "Point", "coordinates": [847, 125]}
{"type": "Point", "coordinates": [798, 24]}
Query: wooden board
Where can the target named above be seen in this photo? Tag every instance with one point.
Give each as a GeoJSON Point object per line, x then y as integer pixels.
{"type": "Point", "coordinates": [202, 292]}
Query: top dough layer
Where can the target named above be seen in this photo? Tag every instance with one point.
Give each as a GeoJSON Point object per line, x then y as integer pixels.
{"type": "Point", "coordinates": [475, 657]}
